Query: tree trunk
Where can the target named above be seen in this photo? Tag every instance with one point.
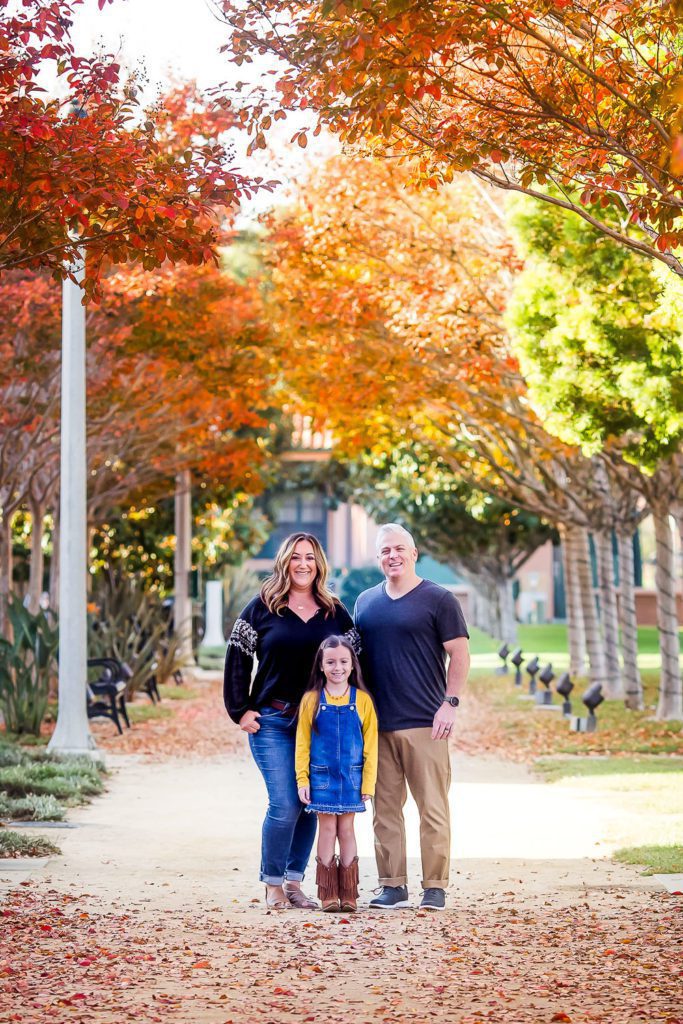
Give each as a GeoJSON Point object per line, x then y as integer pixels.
{"type": "Point", "coordinates": [484, 610]}
{"type": "Point", "coordinates": [576, 631]}
{"type": "Point", "coordinates": [670, 704]}
{"type": "Point", "coordinates": [633, 683]}
{"type": "Point", "coordinates": [507, 626]}
{"type": "Point", "coordinates": [5, 571]}
{"type": "Point", "coordinates": [596, 655]}
{"type": "Point", "coordinates": [610, 615]}
{"type": "Point", "coordinates": [54, 561]}
{"type": "Point", "coordinates": [37, 564]}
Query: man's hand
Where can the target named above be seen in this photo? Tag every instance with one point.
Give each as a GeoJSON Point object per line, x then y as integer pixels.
{"type": "Point", "coordinates": [443, 723]}
{"type": "Point", "coordinates": [249, 722]}
{"type": "Point", "coordinates": [305, 794]}
{"type": "Point", "coordinates": [365, 797]}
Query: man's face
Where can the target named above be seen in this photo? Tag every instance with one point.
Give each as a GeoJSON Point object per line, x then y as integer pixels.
{"type": "Point", "coordinates": [396, 555]}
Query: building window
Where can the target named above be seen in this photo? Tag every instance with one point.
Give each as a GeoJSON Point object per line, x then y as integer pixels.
{"type": "Point", "coordinates": [296, 513]}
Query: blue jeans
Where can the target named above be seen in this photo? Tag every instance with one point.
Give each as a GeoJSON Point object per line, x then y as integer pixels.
{"type": "Point", "coordinates": [288, 832]}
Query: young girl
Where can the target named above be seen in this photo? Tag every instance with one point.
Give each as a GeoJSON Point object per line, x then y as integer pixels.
{"type": "Point", "coordinates": [336, 765]}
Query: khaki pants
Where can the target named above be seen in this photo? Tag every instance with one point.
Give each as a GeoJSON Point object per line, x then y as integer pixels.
{"type": "Point", "coordinates": [411, 756]}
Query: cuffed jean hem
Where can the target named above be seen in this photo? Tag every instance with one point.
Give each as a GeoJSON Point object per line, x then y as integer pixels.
{"type": "Point", "coordinates": [435, 884]}
{"type": "Point", "coordinates": [291, 876]}
{"type": "Point", "coordinates": [294, 876]}
{"type": "Point", "coordinates": [399, 880]}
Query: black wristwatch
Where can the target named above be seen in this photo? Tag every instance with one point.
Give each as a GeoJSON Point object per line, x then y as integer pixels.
{"type": "Point", "coordinates": [453, 701]}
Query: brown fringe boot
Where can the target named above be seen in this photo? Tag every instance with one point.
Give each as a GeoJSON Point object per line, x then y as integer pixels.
{"type": "Point", "coordinates": [348, 885]}
{"type": "Point", "coordinates": [327, 880]}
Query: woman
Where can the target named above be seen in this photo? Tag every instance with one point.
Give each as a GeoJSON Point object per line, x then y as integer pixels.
{"type": "Point", "coordinates": [283, 628]}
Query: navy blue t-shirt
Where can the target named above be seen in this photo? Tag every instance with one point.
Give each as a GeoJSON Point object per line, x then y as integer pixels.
{"type": "Point", "coordinates": [404, 661]}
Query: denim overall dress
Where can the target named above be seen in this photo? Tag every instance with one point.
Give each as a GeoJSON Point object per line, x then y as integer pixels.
{"type": "Point", "coordinates": [336, 767]}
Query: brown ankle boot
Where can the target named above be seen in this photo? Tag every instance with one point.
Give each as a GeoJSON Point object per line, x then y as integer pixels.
{"type": "Point", "coordinates": [348, 885]}
{"type": "Point", "coordinates": [327, 880]}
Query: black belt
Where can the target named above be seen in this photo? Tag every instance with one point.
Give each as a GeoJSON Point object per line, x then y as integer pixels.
{"type": "Point", "coordinates": [288, 709]}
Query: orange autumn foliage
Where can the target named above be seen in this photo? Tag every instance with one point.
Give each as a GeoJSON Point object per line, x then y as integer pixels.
{"type": "Point", "coordinates": [580, 94]}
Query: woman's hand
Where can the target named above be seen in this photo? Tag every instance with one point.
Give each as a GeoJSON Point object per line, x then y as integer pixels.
{"type": "Point", "coordinates": [365, 797]}
{"type": "Point", "coordinates": [305, 794]}
{"type": "Point", "coordinates": [249, 722]}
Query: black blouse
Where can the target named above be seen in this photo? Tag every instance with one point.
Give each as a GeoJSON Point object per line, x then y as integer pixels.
{"type": "Point", "coordinates": [284, 646]}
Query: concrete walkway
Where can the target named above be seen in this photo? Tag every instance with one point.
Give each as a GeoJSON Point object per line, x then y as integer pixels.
{"type": "Point", "coordinates": [193, 828]}
{"type": "Point", "coordinates": [169, 857]}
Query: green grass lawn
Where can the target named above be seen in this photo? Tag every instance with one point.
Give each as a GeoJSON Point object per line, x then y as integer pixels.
{"type": "Point", "coordinates": [528, 733]}
{"type": "Point", "coordinates": [657, 860]}
{"type": "Point", "coordinates": [556, 768]}
{"type": "Point", "coordinates": [549, 642]}
{"type": "Point", "coordinates": [145, 712]}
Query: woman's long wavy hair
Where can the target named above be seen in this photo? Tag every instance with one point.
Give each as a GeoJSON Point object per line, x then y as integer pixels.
{"type": "Point", "coordinates": [275, 590]}
{"type": "Point", "coordinates": [317, 681]}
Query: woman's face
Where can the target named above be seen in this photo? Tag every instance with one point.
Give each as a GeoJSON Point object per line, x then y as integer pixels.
{"type": "Point", "coordinates": [302, 567]}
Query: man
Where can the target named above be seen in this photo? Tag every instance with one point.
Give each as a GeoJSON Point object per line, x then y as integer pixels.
{"type": "Point", "coordinates": [409, 627]}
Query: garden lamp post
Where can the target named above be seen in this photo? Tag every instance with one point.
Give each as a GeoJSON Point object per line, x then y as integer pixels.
{"type": "Point", "coordinates": [592, 697]}
{"type": "Point", "coordinates": [564, 687]}
{"type": "Point", "coordinates": [517, 659]}
{"type": "Point", "coordinates": [72, 734]}
{"type": "Point", "coordinates": [544, 697]}
{"type": "Point", "coordinates": [532, 668]}
{"type": "Point", "coordinates": [503, 652]}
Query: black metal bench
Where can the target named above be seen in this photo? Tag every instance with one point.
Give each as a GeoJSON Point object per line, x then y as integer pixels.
{"type": "Point", "coordinates": [106, 695]}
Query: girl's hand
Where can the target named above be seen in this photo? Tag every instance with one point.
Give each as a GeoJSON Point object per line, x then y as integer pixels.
{"type": "Point", "coordinates": [305, 794]}
{"type": "Point", "coordinates": [365, 797]}
{"type": "Point", "coordinates": [249, 722]}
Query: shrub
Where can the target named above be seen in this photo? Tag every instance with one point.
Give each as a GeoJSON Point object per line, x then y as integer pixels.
{"type": "Point", "coordinates": [13, 844]}
{"type": "Point", "coordinates": [132, 626]}
{"type": "Point", "coordinates": [31, 808]}
{"type": "Point", "coordinates": [26, 665]}
{"type": "Point", "coordinates": [68, 779]}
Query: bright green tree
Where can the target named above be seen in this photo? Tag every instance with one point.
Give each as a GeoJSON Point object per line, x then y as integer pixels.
{"type": "Point", "coordinates": [597, 331]}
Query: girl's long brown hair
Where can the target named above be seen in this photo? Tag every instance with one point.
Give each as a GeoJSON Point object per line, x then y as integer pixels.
{"type": "Point", "coordinates": [275, 590]}
{"type": "Point", "coordinates": [317, 681]}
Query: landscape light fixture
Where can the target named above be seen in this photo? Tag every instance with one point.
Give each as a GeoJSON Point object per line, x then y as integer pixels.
{"type": "Point", "coordinates": [517, 659]}
{"type": "Point", "coordinates": [564, 687]}
{"type": "Point", "coordinates": [503, 652]}
{"type": "Point", "coordinates": [544, 697]}
{"type": "Point", "coordinates": [532, 668]}
{"type": "Point", "coordinates": [592, 698]}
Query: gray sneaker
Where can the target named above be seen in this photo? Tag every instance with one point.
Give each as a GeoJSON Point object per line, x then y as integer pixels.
{"type": "Point", "coordinates": [392, 897]}
{"type": "Point", "coordinates": [433, 899]}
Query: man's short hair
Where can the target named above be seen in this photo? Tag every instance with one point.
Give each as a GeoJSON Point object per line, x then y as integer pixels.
{"type": "Point", "coordinates": [394, 528]}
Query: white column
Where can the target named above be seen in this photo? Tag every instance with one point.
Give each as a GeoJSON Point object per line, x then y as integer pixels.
{"type": "Point", "coordinates": [213, 634]}
{"type": "Point", "coordinates": [72, 733]}
{"type": "Point", "coordinates": [182, 565]}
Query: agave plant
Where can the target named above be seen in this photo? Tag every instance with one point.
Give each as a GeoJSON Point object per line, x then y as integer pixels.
{"type": "Point", "coordinates": [27, 663]}
{"type": "Point", "coordinates": [131, 625]}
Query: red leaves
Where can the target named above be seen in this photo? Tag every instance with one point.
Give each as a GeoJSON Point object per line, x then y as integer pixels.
{"type": "Point", "coordinates": [100, 156]}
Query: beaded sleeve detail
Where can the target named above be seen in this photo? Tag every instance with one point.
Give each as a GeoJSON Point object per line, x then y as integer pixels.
{"type": "Point", "coordinates": [353, 637]}
{"type": "Point", "coordinates": [244, 637]}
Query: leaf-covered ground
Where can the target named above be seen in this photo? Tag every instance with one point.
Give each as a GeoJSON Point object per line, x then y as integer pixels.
{"type": "Point", "coordinates": [153, 914]}
{"type": "Point", "coordinates": [613, 958]}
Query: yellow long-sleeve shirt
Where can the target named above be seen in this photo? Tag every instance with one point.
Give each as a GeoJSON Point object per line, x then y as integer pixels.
{"type": "Point", "coordinates": [368, 719]}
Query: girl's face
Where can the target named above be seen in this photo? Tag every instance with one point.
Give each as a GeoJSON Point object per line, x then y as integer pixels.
{"type": "Point", "coordinates": [337, 664]}
{"type": "Point", "coordinates": [302, 567]}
